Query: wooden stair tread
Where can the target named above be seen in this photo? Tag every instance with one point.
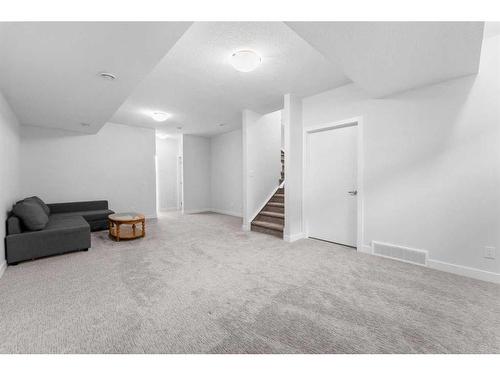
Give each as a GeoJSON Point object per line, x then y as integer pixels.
{"type": "Point", "coordinates": [273, 214]}
{"type": "Point", "coordinates": [267, 225]}
{"type": "Point", "coordinates": [276, 204]}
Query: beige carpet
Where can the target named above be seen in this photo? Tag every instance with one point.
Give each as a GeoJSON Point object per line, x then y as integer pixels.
{"type": "Point", "coordinates": [198, 284]}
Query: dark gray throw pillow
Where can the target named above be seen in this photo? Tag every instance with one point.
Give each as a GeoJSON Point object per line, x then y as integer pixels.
{"type": "Point", "coordinates": [36, 199]}
{"type": "Point", "coordinates": [31, 214]}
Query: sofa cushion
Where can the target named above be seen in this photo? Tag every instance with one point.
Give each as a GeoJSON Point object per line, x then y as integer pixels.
{"type": "Point", "coordinates": [93, 215]}
{"type": "Point", "coordinates": [60, 222]}
{"type": "Point", "coordinates": [31, 214]}
{"type": "Point", "coordinates": [36, 199]}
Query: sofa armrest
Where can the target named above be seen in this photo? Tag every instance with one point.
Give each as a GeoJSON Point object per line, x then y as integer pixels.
{"type": "Point", "coordinates": [58, 208]}
{"type": "Point", "coordinates": [14, 225]}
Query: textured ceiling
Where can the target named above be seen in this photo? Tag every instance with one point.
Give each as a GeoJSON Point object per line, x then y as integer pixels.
{"type": "Point", "coordinates": [48, 70]}
{"type": "Point", "coordinates": [197, 85]}
{"type": "Point", "coordinates": [388, 57]}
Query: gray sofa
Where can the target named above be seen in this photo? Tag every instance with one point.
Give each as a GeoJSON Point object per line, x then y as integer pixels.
{"type": "Point", "coordinates": [68, 229]}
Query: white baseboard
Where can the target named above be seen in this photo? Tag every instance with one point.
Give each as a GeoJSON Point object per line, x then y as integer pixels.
{"type": "Point", "coordinates": [294, 237]}
{"type": "Point", "coordinates": [365, 249]}
{"type": "Point", "coordinates": [224, 212]}
{"type": "Point", "coordinates": [456, 269]}
{"type": "Point", "coordinates": [168, 209]}
{"type": "Point", "coordinates": [474, 273]}
{"type": "Point", "coordinates": [196, 211]}
{"type": "Point", "coordinates": [3, 267]}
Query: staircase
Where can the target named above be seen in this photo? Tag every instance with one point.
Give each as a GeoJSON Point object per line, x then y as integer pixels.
{"type": "Point", "coordinates": [282, 177]}
{"type": "Point", "coordinates": [271, 219]}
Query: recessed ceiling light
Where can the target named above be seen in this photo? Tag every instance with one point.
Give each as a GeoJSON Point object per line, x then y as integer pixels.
{"type": "Point", "coordinates": [86, 124]}
{"type": "Point", "coordinates": [160, 116]}
{"type": "Point", "coordinates": [222, 124]}
{"type": "Point", "coordinates": [245, 60]}
{"type": "Point", "coordinates": [107, 75]}
{"type": "Point", "coordinates": [179, 127]}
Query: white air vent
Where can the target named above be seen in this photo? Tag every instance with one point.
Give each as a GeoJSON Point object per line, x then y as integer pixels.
{"type": "Point", "coordinates": [404, 254]}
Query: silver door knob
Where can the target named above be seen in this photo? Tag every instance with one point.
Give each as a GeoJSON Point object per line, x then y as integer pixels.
{"type": "Point", "coordinates": [353, 192]}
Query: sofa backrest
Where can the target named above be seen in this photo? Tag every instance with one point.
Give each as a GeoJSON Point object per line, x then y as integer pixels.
{"type": "Point", "coordinates": [58, 208]}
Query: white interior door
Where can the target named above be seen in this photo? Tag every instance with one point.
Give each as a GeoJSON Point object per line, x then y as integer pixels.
{"type": "Point", "coordinates": [331, 196]}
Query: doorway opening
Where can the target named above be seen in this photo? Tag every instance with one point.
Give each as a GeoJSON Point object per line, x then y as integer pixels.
{"type": "Point", "coordinates": [168, 173]}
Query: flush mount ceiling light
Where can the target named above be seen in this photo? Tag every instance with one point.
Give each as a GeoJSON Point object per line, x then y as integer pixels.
{"type": "Point", "coordinates": [245, 60]}
{"type": "Point", "coordinates": [107, 75]}
{"type": "Point", "coordinates": [160, 116]}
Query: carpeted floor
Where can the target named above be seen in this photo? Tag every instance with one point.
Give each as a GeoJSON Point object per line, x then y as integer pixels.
{"type": "Point", "coordinates": [198, 284]}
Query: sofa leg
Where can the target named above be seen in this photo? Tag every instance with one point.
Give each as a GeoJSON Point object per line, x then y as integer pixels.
{"type": "Point", "coordinates": [13, 264]}
{"type": "Point", "coordinates": [85, 249]}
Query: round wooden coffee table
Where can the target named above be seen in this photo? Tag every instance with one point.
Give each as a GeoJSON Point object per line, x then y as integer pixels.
{"type": "Point", "coordinates": [122, 226]}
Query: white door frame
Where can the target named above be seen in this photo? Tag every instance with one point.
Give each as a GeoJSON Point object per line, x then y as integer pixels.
{"type": "Point", "coordinates": [180, 189]}
{"type": "Point", "coordinates": [355, 121]}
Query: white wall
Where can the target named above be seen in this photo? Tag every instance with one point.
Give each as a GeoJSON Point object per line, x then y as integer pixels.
{"type": "Point", "coordinates": [261, 160]}
{"type": "Point", "coordinates": [167, 152]}
{"type": "Point", "coordinates": [9, 169]}
{"type": "Point", "coordinates": [196, 173]}
{"type": "Point", "coordinates": [432, 163]}
{"type": "Point", "coordinates": [116, 164]}
{"type": "Point", "coordinates": [226, 173]}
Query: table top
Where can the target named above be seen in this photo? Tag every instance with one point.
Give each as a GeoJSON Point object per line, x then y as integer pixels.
{"type": "Point", "coordinates": [126, 216]}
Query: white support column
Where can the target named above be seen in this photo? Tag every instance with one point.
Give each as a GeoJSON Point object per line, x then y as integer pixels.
{"type": "Point", "coordinates": [248, 118]}
{"type": "Point", "coordinates": [293, 133]}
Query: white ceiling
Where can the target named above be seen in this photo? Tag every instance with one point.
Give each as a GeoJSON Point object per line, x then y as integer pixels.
{"type": "Point", "coordinates": [197, 85]}
{"type": "Point", "coordinates": [388, 57]}
{"type": "Point", "coordinates": [48, 70]}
